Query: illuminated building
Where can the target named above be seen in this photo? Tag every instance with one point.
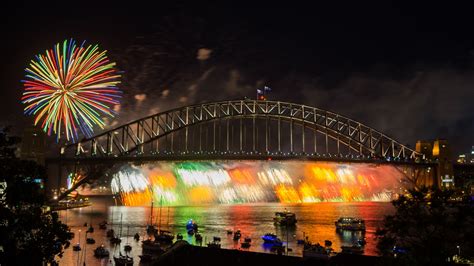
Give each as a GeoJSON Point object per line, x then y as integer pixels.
{"type": "Point", "coordinates": [424, 147]}
{"type": "Point", "coordinates": [440, 152]}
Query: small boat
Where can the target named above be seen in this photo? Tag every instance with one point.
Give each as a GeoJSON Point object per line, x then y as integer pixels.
{"type": "Point", "coordinates": [217, 239]}
{"type": "Point", "coordinates": [123, 260]}
{"type": "Point", "coordinates": [361, 241]}
{"type": "Point", "coordinates": [103, 225]}
{"type": "Point", "coordinates": [316, 251]}
{"type": "Point", "coordinates": [245, 244]}
{"type": "Point", "coordinates": [198, 237]}
{"type": "Point", "coordinates": [90, 240]}
{"type": "Point", "coordinates": [279, 249]}
{"type": "Point", "coordinates": [164, 236]}
{"type": "Point", "coordinates": [76, 247]}
{"type": "Point", "coordinates": [110, 233]}
{"type": "Point", "coordinates": [179, 236]}
{"type": "Point", "coordinates": [229, 232]}
{"type": "Point", "coordinates": [270, 238]}
{"type": "Point", "coordinates": [90, 229]}
{"type": "Point", "coordinates": [354, 249]}
{"type": "Point", "coordinates": [247, 240]}
{"type": "Point", "coordinates": [115, 240]}
{"type": "Point", "coordinates": [191, 226]}
{"type": "Point", "coordinates": [127, 248]}
{"type": "Point", "coordinates": [285, 218]}
{"type": "Point", "coordinates": [146, 258]}
{"type": "Point", "coordinates": [150, 229]}
{"type": "Point", "coordinates": [237, 235]}
{"type": "Point", "coordinates": [214, 244]}
{"type": "Point", "coordinates": [149, 246]}
{"type": "Point", "coordinates": [101, 252]}
{"type": "Point", "coordinates": [350, 223]}
{"type": "Point", "coordinates": [136, 237]}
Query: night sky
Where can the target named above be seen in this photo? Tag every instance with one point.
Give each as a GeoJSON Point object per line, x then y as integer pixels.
{"type": "Point", "coordinates": [406, 70]}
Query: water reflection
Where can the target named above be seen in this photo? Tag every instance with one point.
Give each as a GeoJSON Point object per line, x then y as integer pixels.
{"type": "Point", "coordinates": [316, 221]}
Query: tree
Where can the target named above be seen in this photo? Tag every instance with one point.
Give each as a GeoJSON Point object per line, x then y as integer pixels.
{"type": "Point", "coordinates": [427, 228]}
{"type": "Point", "coordinates": [30, 235]}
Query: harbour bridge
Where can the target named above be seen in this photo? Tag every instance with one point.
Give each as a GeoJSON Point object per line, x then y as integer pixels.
{"type": "Point", "coordinates": [241, 130]}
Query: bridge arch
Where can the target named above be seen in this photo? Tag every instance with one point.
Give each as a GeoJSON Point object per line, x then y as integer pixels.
{"type": "Point", "coordinates": [300, 130]}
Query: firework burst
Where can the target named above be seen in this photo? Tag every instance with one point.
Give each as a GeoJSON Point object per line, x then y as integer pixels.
{"type": "Point", "coordinates": [70, 88]}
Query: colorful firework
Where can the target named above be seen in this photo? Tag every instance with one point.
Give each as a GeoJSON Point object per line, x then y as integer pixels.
{"type": "Point", "coordinates": [69, 88]}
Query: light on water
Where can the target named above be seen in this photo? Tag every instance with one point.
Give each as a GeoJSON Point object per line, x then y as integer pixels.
{"type": "Point", "coordinates": [315, 220]}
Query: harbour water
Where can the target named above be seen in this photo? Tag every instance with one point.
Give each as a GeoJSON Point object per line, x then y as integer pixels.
{"type": "Point", "coordinates": [315, 220]}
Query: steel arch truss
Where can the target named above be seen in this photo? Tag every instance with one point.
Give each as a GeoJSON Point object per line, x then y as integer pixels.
{"type": "Point", "coordinates": [142, 137]}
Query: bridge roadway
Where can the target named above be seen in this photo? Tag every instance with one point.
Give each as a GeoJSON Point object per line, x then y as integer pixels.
{"type": "Point", "coordinates": [223, 156]}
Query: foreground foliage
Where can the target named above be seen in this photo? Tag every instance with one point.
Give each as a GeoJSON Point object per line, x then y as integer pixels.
{"type": "Point", "coordinates": [30, 235]}
{"type": "Point", "coordinates": [428, 228]}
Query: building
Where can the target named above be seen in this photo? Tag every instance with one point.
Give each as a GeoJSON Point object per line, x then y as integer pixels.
{"type": "Point", "coordinates": [425, 148]}
{"type": "Point", "coordinates": [442, 153]}
{"type": "Point", "coordinates": [33, 143]}
{"type": "Point", "coordinates": [439, 151]}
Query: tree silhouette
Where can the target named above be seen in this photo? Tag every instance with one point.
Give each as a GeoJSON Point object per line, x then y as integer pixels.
{"type": "Point", "coordinates": [30, 234]}
{"type": "Point", "coordinates": [428, 228]}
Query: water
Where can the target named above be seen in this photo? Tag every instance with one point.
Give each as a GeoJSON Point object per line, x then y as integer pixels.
{"type": "Point", "coordinates": [316, 220]}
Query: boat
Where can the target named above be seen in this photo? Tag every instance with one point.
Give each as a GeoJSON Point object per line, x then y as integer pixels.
{"type": "Point", "coordinates": [127, 247]}
{"type": "Point", "coordinates": [237, 235]}
{"type": "Point", "coordinates": [110, 233]}
{"type": "Point", "coordinates": [354, 249]}
{"type": "Point", "coordinates": [146, 258]}
{"type": "Point", "coordinates": [350, 223]}
{"type": "Point", "coordinates": [101, 252]}
{"type": "Point", "coordinates": [191, 226]}
{"type": "Point", "coordinates": [70, 204]}
{"type": "Point", "coordinates": [198, 237]}
{"type": "Point", "coordinates": [164, 236]}
{"type": "Point", "coordinates": [103, 225]}
{"type": "Point", "coordinates": [245, 244]}
{"type": "Point", "coordinates": [150, 246]}
{"type": "Point", "coordinates": [270, 238]}
{"type": "Point", "coordinates": [316, 251]}
{"type": "Point", "coordinates": [285, 218]}
{"type": "Point", "coordinates": [214, 244]}
{"type": "Point", "coordinates": [123, 260]}
{"type": "Point", "coordinates": [150, 228]}
{"type": "Point", "coordinates": [90, 240]}
{"type": "Point", "coordinates": [115, 240]}
{"type": "Point", "coordinates": [76, 247]}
